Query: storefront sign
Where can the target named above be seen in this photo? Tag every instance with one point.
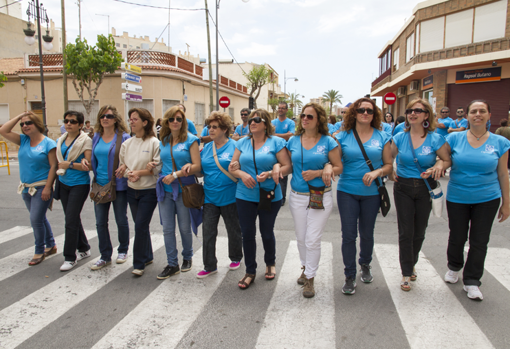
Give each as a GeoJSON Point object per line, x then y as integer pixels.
{"type": "Point", "coordinates": [478, 75]}
{"type": "Point", "coordinates": [428, 82]}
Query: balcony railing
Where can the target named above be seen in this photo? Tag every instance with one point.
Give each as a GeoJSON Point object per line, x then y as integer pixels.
{"type": "Point", "coordinates": [381, 77]}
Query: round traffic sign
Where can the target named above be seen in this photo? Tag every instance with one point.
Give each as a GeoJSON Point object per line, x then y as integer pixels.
{"type": "Point", "coordinates": [390, 98]}
{"type": "Point", "coordinates": [224, 102]}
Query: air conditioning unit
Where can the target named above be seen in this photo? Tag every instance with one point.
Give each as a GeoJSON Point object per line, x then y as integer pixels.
{"type": "Point", "coordinates": [401, 91]}
{"type": "Point", "coordinates": [415, 85]}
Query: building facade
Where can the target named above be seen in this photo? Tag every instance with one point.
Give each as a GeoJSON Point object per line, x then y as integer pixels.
{"type": "Point", "coordinates": [449, 52]}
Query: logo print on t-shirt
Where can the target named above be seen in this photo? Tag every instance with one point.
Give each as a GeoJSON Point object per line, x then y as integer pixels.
{"type": "Point", "coordinates": [374, 143]}
{"type": "Point", "coordinates": [425, 150]}
{"type": "Point", "coordinates": [39, 148]}
{"type": "Point", "coordinates": [225, 156]}
{"type": "Point", "coordinates": [489, 149]}
{"type": "Point", "coordinates": [180, 147]}
{"type": "Point", "coordinates": [265, 149]}
{"type": "Point", "coordinates": [320, 150]}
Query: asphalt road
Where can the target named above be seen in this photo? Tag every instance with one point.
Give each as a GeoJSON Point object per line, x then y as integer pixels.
{"type": "Point", "coordinates": [42, 307]}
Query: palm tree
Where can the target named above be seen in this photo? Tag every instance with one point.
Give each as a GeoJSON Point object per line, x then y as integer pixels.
{"type": "Point", "coordinates": [294, 100]}
{"type": "Point", "coordinates": [332, 96]}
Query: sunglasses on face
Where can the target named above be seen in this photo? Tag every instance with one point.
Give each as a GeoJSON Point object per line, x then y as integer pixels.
{"type": "Point", "coordinates": [416, 111]}
{"type": "Point", "coordinates": [342, 112]}
{"type": "Point", "coordinates": [72, 121]}
{"type": "Point", "coordinates": [444, 112]}
{"type": "Point", "coordinates": [460, 112]}
{"type": "Point", "coordinates": [214, 127]}
{"type": "Point", "coordinates": [174, 119]}
{"type": "Point", "coordinates": [306, 116]}
{"type": "Point", "coordinates": [363, 110]}
{"type": "Point", "coordinates": [244, 114]}
{"type": "Point", "coordinates": [256, 119]}
{"type": "Point", "coordinates": [28, 123]}
{"type": "Point", "coordinates": [108, 116]}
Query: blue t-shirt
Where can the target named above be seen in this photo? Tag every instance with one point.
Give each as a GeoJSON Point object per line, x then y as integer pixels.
{"type": "Point", "coordinates": [399, 128]}
{"type": "Point", "coordinates": [205, 132]}
{"type": "Point", "coordinates": [101, 151]}
{"type": "Point", "coordinates": [338, 125]}
{"type": "Point", "coordinates": [191, 128]}
{"type": "Point", "coordinates": [242, 131]}
{"type": "Point", "coordinates": [447, 122]}
{"type": "Point", "coordinates": [332, 128]}
{"type": "Point", "coordinates": [355, 167]}
{"type": "Point", "coordinates": [459, 123]}
{"type": "Point", "coordinates": [73, 177]}
{"type": "Point", "coordinates": [474, 176]}
{"type": "Point", "coordinates": [426, 154]}
{"type": "Point", "coordinates": [219, 189]}
{"type": "Point", "coordinates": [284, 126]}
{"type": "Point", "coordinates": [182, 156]}
{"type": "Point", "coordinates": [387, 128]}
{"type": "Point", "coordinates": [266, 158]}
{"type": "Point", "coordinates": [34, 165]}
{"type": "Point", "coordinates": [313, 159]}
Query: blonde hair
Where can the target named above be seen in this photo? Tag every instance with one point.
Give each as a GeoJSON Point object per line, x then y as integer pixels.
{"type": "Point", "coordinates": [119, 125]}
{"type": "Point", "coordinates": [264, 115]}
{"type": "Point", "coordinates": [165, 132]}
{"type": "Point", "coordinates": [428, 109]}
{"type": "Point", "coordinates": [36, 120]}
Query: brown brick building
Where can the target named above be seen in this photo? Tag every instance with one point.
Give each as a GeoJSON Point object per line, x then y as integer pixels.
{"type": "Point", "coordinates": [449, 52]}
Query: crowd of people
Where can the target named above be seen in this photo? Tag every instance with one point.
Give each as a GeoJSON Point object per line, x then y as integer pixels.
{"type": "Point", "coordinates": [154, 164]}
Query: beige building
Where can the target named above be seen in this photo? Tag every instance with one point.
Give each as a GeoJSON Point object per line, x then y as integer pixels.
{"type": "Point", "coordinates": [450, 53]}
{"type": "Point", "coordinates": [166, 80]}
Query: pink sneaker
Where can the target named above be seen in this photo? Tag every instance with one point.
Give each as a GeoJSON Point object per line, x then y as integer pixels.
{"type": "Point", "coordinates": [204, 273]}
{"type": "Point", "coordinates": [234, 265]}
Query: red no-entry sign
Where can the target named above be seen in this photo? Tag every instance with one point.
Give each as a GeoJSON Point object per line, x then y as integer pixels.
{"type": "Point", "coordinates": [390, 98]}
{"type": "Point", "coordinates": [224, 102]}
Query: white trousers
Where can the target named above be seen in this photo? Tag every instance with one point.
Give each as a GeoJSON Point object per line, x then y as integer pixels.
{"type": "Point", "coordinates": [309, 225]}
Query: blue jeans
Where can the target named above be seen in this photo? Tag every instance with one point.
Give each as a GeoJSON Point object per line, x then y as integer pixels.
{"type": "Point", "coordinates": [356, 209]}
{"type": "Point", "coordinates": [142, 204]}
{"type": "Point", "coordinates": [42, 229]}
{"type": "Point", "coordinates": [248, 213]}
{"type": "Point", "coordinates": [103, 234]}
{"type": "Point", "coordinates": [168, 208]}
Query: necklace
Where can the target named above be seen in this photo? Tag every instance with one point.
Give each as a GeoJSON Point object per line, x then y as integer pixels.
{"type": "Point", "coordinates": [478, 138]}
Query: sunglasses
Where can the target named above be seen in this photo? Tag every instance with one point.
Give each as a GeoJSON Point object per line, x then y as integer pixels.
{"type": "Point", "coordinates": [28, 123]}
{"type": "Point", "coordinates": [214, 127]}
{"type": "Point", "coordinates": [363, 110]}
{"type": "Point", "coordinates": [416, 111]}
{"type": "Point", "coordinates": [244, 114]}
{"type": "Point", "coordinates": [256, 119]}
{"type": "Point", "coordinates": [174, 119]}
{"type": "Point", "coordinates": [444, 112]}
{"type": "Point", "coordinates": [108, 116]}
{"type": "Point", "coordinates": [342, 112]}
{"type": "Point", "coordinates": [306, 116]}
{"type": "Point", "coordinates": [72, 121]}
{"type": "Point", "coordinates": [460, 112]}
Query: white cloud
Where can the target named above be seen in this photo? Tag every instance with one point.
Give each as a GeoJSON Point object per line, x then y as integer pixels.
{"type": "Point", "coordinates": [258, 50]}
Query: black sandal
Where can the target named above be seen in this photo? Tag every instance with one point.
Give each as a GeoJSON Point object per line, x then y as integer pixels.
{"type": "Point", "coordinates": [269, 275]}
{"type": "Point", "coordinates": [243, 285]}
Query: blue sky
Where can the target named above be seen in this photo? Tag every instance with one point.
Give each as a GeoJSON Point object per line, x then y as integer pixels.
{"type": "Point", "coordinates": [326, 44]}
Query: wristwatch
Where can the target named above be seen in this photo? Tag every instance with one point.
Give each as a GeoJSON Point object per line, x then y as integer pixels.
{"type": "Point", "coordinates": [71, 165]}
{"type": "Point", "coordinates": [175, 175]}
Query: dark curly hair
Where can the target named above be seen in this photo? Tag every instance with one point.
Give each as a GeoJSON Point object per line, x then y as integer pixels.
{"type": "Point", "coordinates": [350, 117]}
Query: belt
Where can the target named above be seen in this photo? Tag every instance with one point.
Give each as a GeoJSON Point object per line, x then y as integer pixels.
{"type": "Point", "coordinates": [308, 194]}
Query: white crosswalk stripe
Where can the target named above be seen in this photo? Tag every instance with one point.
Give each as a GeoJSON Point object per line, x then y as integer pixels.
{"type": "Point", "coordinates": [498, 264]}
{"type": "Point", "coordinates": [290, 315]}
{"type": "Point", "coordinates": [14, 233]}
{"type": "Point", "coordinates": [31, 314]}
{"type": "Point", "coordinates": [430, 311]}
{"type": "Point", "coordinates": [164, 316]}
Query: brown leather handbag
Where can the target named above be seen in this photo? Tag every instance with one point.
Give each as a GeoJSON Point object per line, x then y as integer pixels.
{"type": "Point", "coordinates": [102, 194]}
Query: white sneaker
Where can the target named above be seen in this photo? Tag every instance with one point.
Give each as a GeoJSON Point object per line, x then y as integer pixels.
{"type": "Point", "coordinates": [121, 258]}
{"type": "Point", "coordinates": [473, 292]}
{"type": "Point", "coordinates": [451, 276]}
{"type": "Point", "coordinates": [67, 266]}
{"type": "Point", "coordinates": [138, 272]}
{"type": "Point", "coordinates": [83, 255]}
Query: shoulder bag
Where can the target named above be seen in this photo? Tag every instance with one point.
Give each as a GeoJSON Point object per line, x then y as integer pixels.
{"type": "Point", "coordinates": [381, 188]}
{"type": "Point", "coordinates": [220, 167]}
{"type": "Point", "coordinates": [436, 195]}
{"type": "Point", "coordinates": [108, 192]}
{"type": "Point", "coordinates": [56, 192]}
{"type": "Point", "coordinates": [316, 201]}
{"type": "Point", "coordinates": [193, 195]}
{"type": "Point", "coordinates": [266, 197]}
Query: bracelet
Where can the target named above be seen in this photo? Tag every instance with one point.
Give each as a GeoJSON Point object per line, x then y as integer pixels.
{"type": "Point", "coordinates": [382, 173]}
{"type": "Point", "coordinates": [270, 173]}
{"type": "Point", "coordinates": [175, 175]}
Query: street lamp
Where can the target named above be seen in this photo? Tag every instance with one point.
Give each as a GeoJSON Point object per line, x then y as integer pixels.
{"type": "Point", "coordinates": [38, 13]}
{"type": "Point", "coordinates": [285, 78]}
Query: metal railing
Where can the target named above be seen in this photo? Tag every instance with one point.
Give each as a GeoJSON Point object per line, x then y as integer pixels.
{"type": "Point", "coordinates": [2, 146]}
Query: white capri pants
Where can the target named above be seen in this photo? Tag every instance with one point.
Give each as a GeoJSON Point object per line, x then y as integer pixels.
{"type": "Point", "coordinates": [309, 225]}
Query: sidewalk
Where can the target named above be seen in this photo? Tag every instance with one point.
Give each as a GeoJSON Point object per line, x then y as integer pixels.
{"type": "Point", "coordinates": [13, 155]}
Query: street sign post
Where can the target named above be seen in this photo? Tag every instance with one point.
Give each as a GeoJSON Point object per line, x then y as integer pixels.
{"type": "Point", "coordinates": [390, 98]}
{"type": "Point", "coordinates": [130, 67]}
{"type": "Point", "coordinates": [132, 87]}
{"type": "Point", "coordinates": [131, 77]}
{"type": "Point", "coordinates": [131, 97]}
{"type": "Point", "coordinates": [129, 86]}
{"type": "Point", "coordinates": [224, 102]}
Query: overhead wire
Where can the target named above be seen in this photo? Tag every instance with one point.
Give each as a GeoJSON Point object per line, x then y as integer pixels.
{"type": "Point", "coordinates": [10, 3]}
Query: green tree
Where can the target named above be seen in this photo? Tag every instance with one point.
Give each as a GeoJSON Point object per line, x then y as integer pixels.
{"type": "Point", "coordinates": [257, 77]}
{"type": "Point", "coordinates": [2, 78]}
{"type": "Point", "coordinates": [332, 97]}
{"type": "Point", "coordinates": [294, 101]}
{"type": "Point", "coordinates": [88, 65]}
{"type": "Point", "coordinates": [273, 103]}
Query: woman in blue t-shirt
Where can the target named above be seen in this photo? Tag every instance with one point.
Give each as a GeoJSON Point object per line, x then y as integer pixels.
{"type": "Point", "coordinates": [388, 119]}
{"type": "Point", "coordinates": [478, 185]}
{"type": "Point", "coordinates": [174, 133]}
{"type": "Point", "coordinates": [412, 197]}
{"type": "Point", "coordinates": [311, 149]}
{"type": "Point", "coordinates": [73, 146]}
{"type": "Point", "coordinates": [37, 171]}
{"type": "Point", "coordinates": [331, 124]}
{"type": "Point", "coordinates": [268, 154]}
{"type": "Point", "coordinates": [109, 125]}
{"type": "Point", "coordinates": [357, 195]}
{"type": "Point", "coordinates": [220, 195]}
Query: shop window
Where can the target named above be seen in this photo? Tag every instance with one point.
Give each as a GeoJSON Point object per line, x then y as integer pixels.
{"type": "Point", "coordinates": [428, 95]}
{"type": "Point", "coordinates": [432, 35]}
{"type": "Point", "coordinates": [169, 103]}
{"type": "Point", "coordinates": [409, 47]}
{"type": "Point", "coordinates": [490, 21]}
{"type": "Point", "coordinates": [78, 106]}
{"type": "Point", "coordinates": [145, 103]}
{"type": "Point", "coordinates": [459, 28]}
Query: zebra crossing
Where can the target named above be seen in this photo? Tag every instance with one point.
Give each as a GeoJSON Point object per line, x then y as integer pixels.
{"type": "Point", "coordinates": [168, 315]}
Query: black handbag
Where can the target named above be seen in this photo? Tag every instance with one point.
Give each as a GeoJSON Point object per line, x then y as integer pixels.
{"type": "Point", "coordinates": [316, 201]}
{"type": "Point", "coordinates": [381, 188]}
{"type": "Point", "coordinates": [266, 197]}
